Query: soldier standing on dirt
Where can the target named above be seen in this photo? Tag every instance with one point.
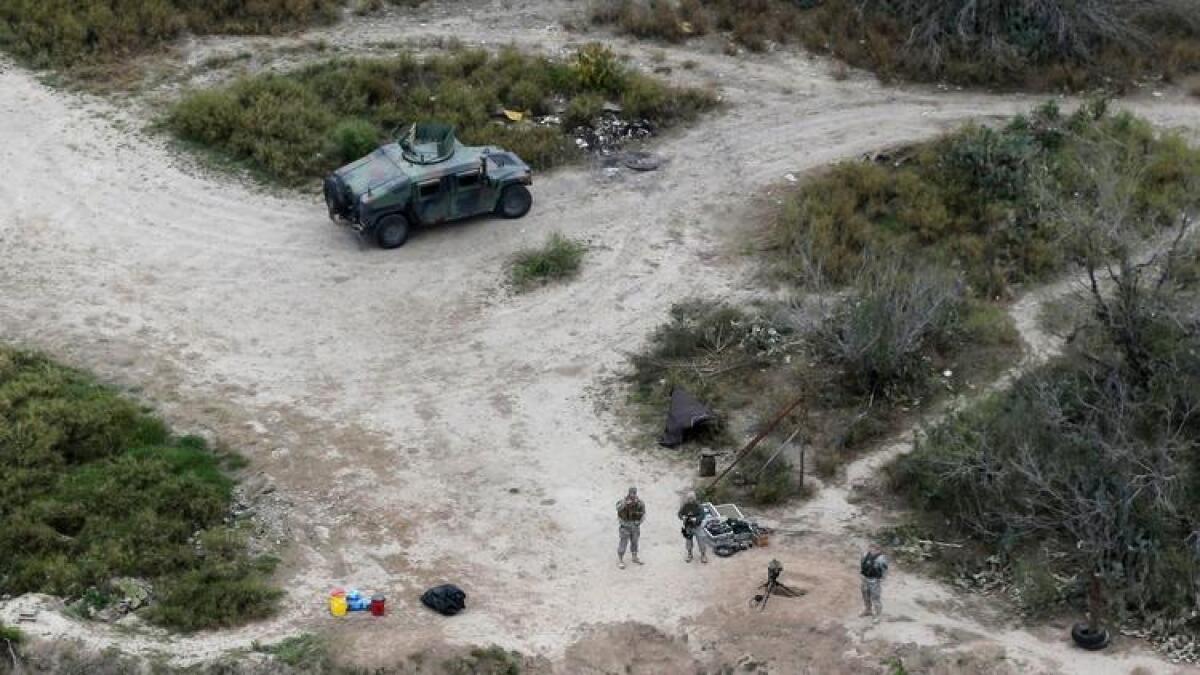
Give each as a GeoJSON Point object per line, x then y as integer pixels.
{"type": "Point", "coordinates": [630, 512]}
{"type": "Point", "coordinates": [692, 514]}
{"type": "Point", "coordinates": [873, 567]}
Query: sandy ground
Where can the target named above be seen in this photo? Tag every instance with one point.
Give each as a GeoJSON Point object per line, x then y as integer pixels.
{"type": "Point", "coordinates": [422, 424]}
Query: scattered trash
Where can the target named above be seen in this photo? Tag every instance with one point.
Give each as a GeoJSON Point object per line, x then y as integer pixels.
{"type": "Point", "coordinates": [641, 161]}
{"type": "Point", "coordinates": [603, 135]}
{"type": "Point", "coordinates": [607, 133]}
{"type": "Point", "coordinates": [791, 177]}
{"type": "Point", "coordinates": [337, 602]}
{"type": "Point", "coordinates": [342, 601]}
{"type": "Point", "coordinates": [947, 373]}
{"type": "Point", "coordinates": [133, 593]}
{"type": "Point", "coordinates": [27, 616]}
{"type": "Point", "coordinates": [1176, 647]}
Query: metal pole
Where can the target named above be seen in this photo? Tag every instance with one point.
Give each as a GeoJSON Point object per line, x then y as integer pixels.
{"type": "Point", "coordinates": [755, 441]}
{"type": "Point", "coordinates": [782, 447]}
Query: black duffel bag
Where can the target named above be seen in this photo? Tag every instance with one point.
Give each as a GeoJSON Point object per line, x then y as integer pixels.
{"type": "Point", "coordinates": [446, 599]}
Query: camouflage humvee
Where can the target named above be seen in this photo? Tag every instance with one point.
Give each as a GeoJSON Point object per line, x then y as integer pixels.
{"type": "Point", "coordinates": [424, 178]}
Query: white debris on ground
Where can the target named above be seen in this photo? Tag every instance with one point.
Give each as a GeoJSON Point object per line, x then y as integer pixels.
{"type": "Point", "coordinates": [1176, 647]}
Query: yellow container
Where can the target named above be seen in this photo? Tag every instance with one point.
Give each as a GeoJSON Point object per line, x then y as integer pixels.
{"type": "Point", "coordinates": [337, 605]}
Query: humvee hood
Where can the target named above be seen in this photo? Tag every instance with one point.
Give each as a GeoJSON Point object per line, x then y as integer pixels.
{"type": "Point", "coordinates": [371, 171]}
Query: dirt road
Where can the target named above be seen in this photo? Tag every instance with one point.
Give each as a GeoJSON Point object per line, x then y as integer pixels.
{"type": "Point", "coordinates": [419, 423]}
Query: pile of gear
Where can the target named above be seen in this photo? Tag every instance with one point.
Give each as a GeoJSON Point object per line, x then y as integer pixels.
{"type": "Point", "coordinates": [729, 530]}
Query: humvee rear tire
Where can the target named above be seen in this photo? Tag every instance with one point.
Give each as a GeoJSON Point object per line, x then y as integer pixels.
{"type": "Point", "coordinates": [392, 231]}
{"type": "Point", "coordinates": [515, 201]}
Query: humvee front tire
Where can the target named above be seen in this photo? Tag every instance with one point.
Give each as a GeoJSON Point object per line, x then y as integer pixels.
{"type": "Point", "coordinates": [392, 231]}
{"type": "Point", "coordinates": [515, 201]}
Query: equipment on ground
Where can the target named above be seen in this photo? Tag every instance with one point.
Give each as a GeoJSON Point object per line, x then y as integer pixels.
{"type": "Point", "coordinates": [446, 599]}
{"type": "Point", "coordinates": [342, 602]}
{"type": "Point", "coordinates": [773, 586]}
{"type": "Point", "coordinates": [426, 177]}
{"type": "Point", "coordinates": [729, 530]}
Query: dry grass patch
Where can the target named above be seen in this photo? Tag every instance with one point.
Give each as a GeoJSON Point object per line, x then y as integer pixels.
{"type": "Point", "coordinates": [1033, 44]}
{"type": "Point", "coordinates": [69, 33]}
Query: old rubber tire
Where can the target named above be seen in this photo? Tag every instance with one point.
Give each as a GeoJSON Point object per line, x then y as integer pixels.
{"type": "Point", "coordinates": [1086, 638]}
{"type": "Point", "coordinates": [391, 232]}
{"type": "Point", "coordinates": [515, 201]}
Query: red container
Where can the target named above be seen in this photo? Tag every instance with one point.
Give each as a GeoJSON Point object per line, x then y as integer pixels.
{"type": "Point", "coordinates": [377, 608]}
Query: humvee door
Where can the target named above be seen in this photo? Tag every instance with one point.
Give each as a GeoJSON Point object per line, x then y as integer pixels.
{"type": "Point", "coordinates": [433, 200]}
{"type": "Point", "coordinates": [472, 195]}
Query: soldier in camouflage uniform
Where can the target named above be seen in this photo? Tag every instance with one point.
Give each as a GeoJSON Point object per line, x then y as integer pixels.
{"type": "Point", "coordinates": [873, 567]}
{"type": "Point", "coordinates": [630, 512]}
{"type": "Point", "coordinates": [692, 515]}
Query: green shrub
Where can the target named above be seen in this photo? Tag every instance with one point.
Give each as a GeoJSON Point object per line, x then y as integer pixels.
{"type": "Point", "coordinates": [582, 110]}
{"type": "Point", "coordinates": [1038, 592]}
{"type": "Point", "coordinates": [92, 487]}
{"type": "Point", "coordinates": [558, 259]}
{"type": "Point", "coordinates": [354, 138]}
{"type": "Point", "coordinates": [972, 200]}
{"type": "Point", "coordinates": [598, 69]}
{"type": "Point", "coordinates": [11, 634]}
{"type": "Point", "coordinates": [296, 126]}
{"type": "Point", "coordinates": [491, 660]}
{"type": "Point", "coordinates": [302, 651]}
{"type": "Point", "coordinates": [228, 589]}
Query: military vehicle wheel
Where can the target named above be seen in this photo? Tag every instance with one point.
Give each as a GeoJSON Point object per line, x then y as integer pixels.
{"type": "Point", "coordinates": [392, 232]}
{"type": "Point", "coordinates": [515, 201]}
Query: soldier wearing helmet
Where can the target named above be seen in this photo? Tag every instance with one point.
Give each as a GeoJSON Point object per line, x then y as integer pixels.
{"type": "Point", "coordinates": [630, 513]}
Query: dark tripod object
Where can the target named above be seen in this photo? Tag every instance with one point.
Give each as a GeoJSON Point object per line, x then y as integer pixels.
{"type": "Point", "coordinates": [773, 586]}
